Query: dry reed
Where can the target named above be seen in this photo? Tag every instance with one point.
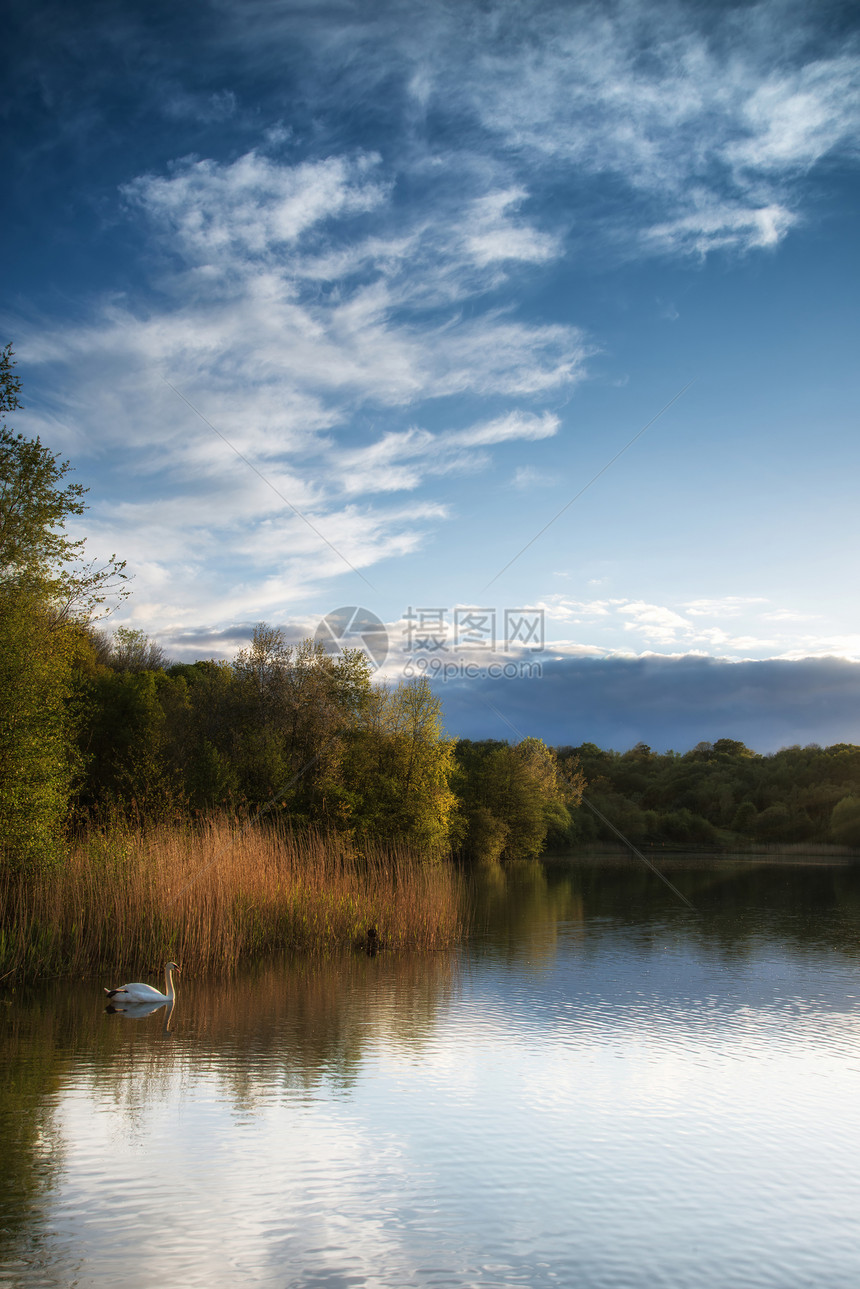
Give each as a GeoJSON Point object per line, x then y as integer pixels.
{"type": "Point", "coordinates": [213, 896]}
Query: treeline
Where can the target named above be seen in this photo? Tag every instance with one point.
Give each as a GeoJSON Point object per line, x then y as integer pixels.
{"type": "Point", "coordinates": [282, 733]}
{"type": "Point", "coordinates": [99, 731]}
{"type": "Point", "coordinates": [288, 730]}
{"type": "Point", "coordinates": [719, 795]}
{"type": "Point", "coordinates": [303, 735]}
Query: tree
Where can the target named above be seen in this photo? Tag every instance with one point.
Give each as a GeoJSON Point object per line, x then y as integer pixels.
{"type": "Point", "coordinates": [513, 797]}
{"type": "Point", "coordinates": [35, 550]}
{"type": "Point", "coordinates": [46, 595]}
{"type": "Point", "coordinates": [397, 773]}
{"type": "Point", "coordinates": [845, 821]}
{"type": "Point", "coordinates": [297, 704]}
{"type": "Point", "coordinates": [38, 760]}
{"type": "Point", "coordinates": [133, 650]}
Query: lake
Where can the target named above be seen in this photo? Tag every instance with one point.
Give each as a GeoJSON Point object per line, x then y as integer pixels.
{"type": "Point", "coordinates": [600, 1088]}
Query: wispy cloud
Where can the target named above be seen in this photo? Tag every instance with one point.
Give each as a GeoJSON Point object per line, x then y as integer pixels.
{"type": "Point", "coordinates": [529, 476]}
{"type": "Point", "coordinates": [734, 627]}
{"type": "Point", "coordinates": [401, 461]}
{"type": "Point", "coordinates": [493, 234]}
{"type": "Point", "coordinates": [708, 128]}
{"type": "Point", "coordinates": [221, 214]}
{"type": "Point", "coordinates": [346, 295]}
{"type": "Point", "coordinates": [282, 361]}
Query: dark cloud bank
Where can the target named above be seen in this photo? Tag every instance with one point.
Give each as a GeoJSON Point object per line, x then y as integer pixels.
{"type": "Point", "coordinates": [665, 702]}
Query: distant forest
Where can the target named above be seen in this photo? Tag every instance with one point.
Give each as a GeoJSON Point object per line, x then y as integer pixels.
{"type": "Point", "coordinates": [719, 795]}
{"type": "Point", "coordinates": [295, 724]}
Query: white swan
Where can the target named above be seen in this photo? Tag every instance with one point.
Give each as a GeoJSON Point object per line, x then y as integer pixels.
{"type": "Point", "coordinates": [138, 993]}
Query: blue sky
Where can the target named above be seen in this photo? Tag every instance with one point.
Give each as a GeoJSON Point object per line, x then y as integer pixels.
{"type": "Point", "coordinates": [340, 304]}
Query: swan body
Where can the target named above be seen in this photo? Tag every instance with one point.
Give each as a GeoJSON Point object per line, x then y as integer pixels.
{"type": "Point", "coordinates": [138, 993]}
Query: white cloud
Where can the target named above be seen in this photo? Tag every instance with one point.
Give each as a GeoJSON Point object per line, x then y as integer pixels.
{"type": "Point", "coordinates": [493, 234]}
{"type": "Point", "coordinates": [403, 460]}
{"type": "Point", "coordinates": [278, 370]}
{"type": "Point", "coordinates": [254, 206]}
{"type": "Point", "coordinates": [714, 224]}
{"type": "Point", "coordinates": [797, 116]}
{"type": "Point", "coordinates": [516, 425]}
{"type": "Point", "coordinates": [528, 476]}
{"type": "Point", "coordinates": [708, 132]}
{"type": "Point", "coordinates": [758, 629]}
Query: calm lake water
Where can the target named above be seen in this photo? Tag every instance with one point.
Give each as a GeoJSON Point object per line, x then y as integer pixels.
{"type": "Point", "coordinates": [599, 1089]}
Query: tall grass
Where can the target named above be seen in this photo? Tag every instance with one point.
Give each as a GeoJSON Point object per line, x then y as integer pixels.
{"type": "Point", "coordinates": [215, 895]}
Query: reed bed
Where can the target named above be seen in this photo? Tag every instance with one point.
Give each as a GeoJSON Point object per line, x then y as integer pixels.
{"type": "Point", "coordinates": [215, 895]}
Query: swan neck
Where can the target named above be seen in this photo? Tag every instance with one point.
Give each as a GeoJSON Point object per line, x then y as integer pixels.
{"type": "Point", "coordinates": [168, 982]}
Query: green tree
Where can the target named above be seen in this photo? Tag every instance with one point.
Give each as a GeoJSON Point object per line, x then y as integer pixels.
{"type": "Point", "coordinates": [46, 594]}
{"type": "Point", "coordinates": [123, 743]}
{"type": "Point", "coordinates": [513, 797]}
{"type": "Point", "coordinates": [296, 706]}
{"type": "Point", "coordinates": [38, 760]}
{"type": "Point", "coordinates": [845, 821]}
{"type": "Point", "coordinates": [744, 818]}
{"type": "Point", "coordinates": [33, 507]}
{"type": "Point", "coordinates": [133, 650]}
{"type": "Point", "coordinates": [397, 774]}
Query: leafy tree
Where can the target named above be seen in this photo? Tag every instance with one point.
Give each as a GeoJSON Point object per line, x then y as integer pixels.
{"type": "Point", "coordinates": [297, 705]}
{"type": "Point", "coordinates": [397, 775]}
{"type": "Point", "coordinates": [45, 597]}
{"type": "Point", "coordinates": [35, 550]}
{"type": "Point", "coordinates": [731, 747]}
{"type": "Point", "coordinates": [513, 798]}
{"type": "Point", "coordinates": [123, 742]}
{"type": "Point", "coordinates": [845, 821]}
{"type": "Point", "coordinates": [133, 650]}
{"type": "Point", "coordinates": [731, 791]}
{"type": "Point", "coordinates": [33, 508]}
{"type": "Point", "coordinates": [744, 817]}
{"type": "Point", "coordinates": [38, 762]}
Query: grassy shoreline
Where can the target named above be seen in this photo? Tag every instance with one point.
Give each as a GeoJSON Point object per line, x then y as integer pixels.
{"type": "Point", "coordinates": [214, 895]}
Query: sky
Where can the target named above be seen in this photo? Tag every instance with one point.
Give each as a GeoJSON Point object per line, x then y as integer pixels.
{"type": "Point", "coordinates": [525, 328]}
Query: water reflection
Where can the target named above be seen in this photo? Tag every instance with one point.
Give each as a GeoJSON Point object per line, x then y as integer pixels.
{"type": "Point", "coordinates": [136, 1011]}
{"type": "Point", "coordinates": [601, 1088]}
{"type": "Point", "coordinates": [738, 903]}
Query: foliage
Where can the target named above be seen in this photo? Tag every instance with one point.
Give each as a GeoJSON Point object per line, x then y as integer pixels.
{"type": "Point", "coordinates": [288, 728]}
{"type": "Point", "coordinates": [132, 650]}
{"type": "Point", "coordinates": [45, 595]}
{"type": "Point", "coordinates": [38, 760]}
{"type": "Point", "coordinates": [720, 794]}
{"type": "Point", "coordinates": [399, 767]}
{"type": "Point", "coordinates": [513, 797]}
{"type": "Point", "coordinates": [845, 821]}
{"type": "Point", "coordinates": [35, 504]}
